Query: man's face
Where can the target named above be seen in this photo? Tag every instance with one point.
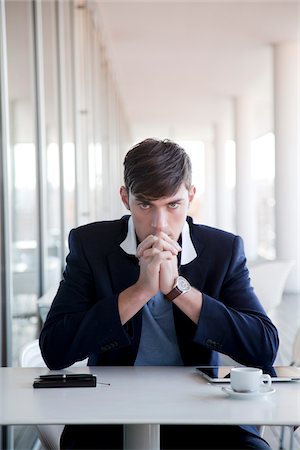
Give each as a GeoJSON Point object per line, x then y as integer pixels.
{"type": "Point", "coordinates": [167, 214]}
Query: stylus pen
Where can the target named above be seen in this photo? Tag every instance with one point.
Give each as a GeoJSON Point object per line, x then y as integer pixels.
{"type": "Point", "coordinates": [72, 376]}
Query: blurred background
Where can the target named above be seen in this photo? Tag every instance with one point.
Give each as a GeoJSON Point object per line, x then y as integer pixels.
{"type": "Point", "coordinates": [82, 81]}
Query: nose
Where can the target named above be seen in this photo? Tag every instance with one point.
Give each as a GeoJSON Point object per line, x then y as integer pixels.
{"type": "Point", "coordinates": [159, 221]}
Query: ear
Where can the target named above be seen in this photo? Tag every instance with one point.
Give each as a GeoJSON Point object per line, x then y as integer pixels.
{"type": "Point", "coordinates": [124, 197]}
{"type": "Point", "coordinates": [192, 193]}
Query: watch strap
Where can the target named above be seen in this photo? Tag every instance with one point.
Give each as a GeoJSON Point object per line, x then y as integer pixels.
{"type": "Point", "coordinates": [175, 292]}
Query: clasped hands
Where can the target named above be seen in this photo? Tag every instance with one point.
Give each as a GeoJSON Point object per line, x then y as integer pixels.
{"type": "Point", "coordinates": [157, 256]}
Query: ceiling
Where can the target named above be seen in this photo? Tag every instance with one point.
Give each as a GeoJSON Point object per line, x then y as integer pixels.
{"type": "Point", "coordinates": [179, 64]}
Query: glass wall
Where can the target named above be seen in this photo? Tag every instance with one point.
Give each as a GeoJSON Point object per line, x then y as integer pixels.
{"type": "Point", "coordinates": [59, 127]}
{"type": "Point", "coordinates": [67, 99]}
{"type": "Point", "coordinates": [52, 144]}
{"type": "Point", "coordinates": [23, 172]}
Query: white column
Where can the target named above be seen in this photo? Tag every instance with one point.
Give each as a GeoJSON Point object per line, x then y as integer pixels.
{"type": "Point", "coordinates": [245, 192]}
{"type": "Point", "coordinates": [209, 201]}
{"type": "Point", "coordinates": [287, 180]}
{"type": "Point", "coordinates": [223, 203]}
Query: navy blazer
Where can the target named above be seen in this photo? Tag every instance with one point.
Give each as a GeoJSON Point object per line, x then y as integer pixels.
{"type": "Point", "coordinates": [84, 321]}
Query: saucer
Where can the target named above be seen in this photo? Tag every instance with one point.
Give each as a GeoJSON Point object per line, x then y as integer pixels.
{"type": "Point", "coordinates": [244, 395]}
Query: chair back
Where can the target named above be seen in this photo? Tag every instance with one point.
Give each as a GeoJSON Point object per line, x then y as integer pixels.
{"type": "Point", "coordinates": [30, 356]}
{"type": "Point", "coordinates": [49, 435]}
{"type": "Point", "coordinates": [268, 280]}
{"type": "Point", "coordinates": [296, 350]}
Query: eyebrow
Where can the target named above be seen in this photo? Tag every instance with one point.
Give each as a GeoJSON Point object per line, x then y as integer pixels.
{"type": "Point", "coordinates": [150, 202]}
{"type": "Point", "coordinates": [140, 198]}
{"type": "Point", "coordinates": [176, 200]}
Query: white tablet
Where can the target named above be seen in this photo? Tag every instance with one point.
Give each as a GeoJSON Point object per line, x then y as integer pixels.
{"type": "Point", "coordinates": [221, 374]}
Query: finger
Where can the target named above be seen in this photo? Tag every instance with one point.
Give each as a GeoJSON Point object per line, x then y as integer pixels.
{"type": "Point", "coordinates": [167, 238]}
{"type": "Point", "coordinates": [150, 253]}
{"type": "Point", "coordinates": [156, 256]}
{"type": "Point", "coordinates": [160, 241]}
{"type": "Point", "coordinates": [146, 243]}
{"type": "Point", "coordinates": [163, 256]}
{"type": "Point", "coordinates": [163, 245]}
{"type": "Point", "coordinates": [155, 263]}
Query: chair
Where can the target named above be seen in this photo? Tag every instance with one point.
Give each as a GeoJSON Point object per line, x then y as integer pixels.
{"type": "Point", "coordinates": [268, 279]}
{"type": "Point", "coordinates": [296, 350]}
{"type": "Point", "coordinates": [44, 302]}
{"type": "Point", "coordinates": [294, 431]}
{"type": "Point", "coordinates": [30, 356]}
{"type": "Point", "coordinates": [297, 438]}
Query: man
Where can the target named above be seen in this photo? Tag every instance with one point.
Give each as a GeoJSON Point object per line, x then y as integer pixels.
{"type": "Point", "coordinates": [155, 289]}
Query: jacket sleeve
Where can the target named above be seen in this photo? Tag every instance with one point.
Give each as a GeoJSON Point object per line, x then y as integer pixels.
{"type": "Point", "coordinates": [79, 324]}
{"type": "Point", "coordinates": [235, 323]}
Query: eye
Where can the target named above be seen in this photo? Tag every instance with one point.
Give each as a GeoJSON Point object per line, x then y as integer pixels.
{"type": "Point", "coordinates": [173, 205]}
{"type": "Point", "coordinates": [144, 205]}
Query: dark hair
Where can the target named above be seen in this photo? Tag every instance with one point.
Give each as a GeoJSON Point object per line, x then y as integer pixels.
{"type": "Point", "coordinates": [156, 168]}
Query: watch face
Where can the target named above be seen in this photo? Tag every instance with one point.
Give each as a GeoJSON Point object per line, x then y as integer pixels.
{"type": "Point", "coordinates": [183, 284]}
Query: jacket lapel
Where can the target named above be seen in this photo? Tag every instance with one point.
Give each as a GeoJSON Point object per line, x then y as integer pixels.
{"type": "Point", "coordinates": [123, 268]}
{"type": "Point", "coordinates": [124, 272]}
{"type": "Point", "coordinates": [196, 270]}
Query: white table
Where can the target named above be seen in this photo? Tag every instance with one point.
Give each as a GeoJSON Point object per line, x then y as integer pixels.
{"type": "Point", "coordinates": [142, 398]}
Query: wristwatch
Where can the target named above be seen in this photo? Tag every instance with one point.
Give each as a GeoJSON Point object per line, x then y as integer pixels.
{"type": "Point", "coordinates": [181, 287]}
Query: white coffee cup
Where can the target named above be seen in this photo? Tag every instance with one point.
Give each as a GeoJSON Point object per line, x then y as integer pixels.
{"type": "Point", "coordinates": [249, 379]}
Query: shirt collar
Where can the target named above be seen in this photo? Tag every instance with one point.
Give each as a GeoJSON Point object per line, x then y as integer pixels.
{"type": "Point", "coordinates": [188, 253]}
{"type": "Point", "coordinates": [129, 245]}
